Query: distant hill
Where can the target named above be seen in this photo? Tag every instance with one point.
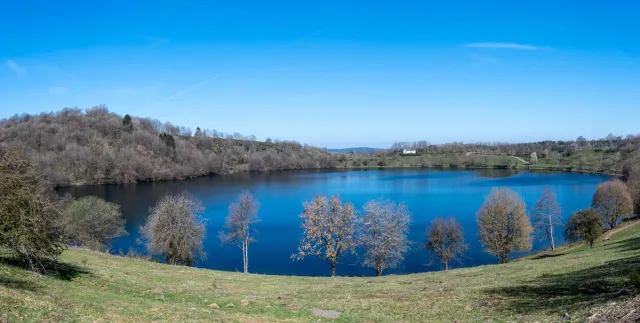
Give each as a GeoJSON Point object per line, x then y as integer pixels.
{"type": "Point", "coordinates": [95, 146]}
{"type": "Point", "coordinates": [354, 150]}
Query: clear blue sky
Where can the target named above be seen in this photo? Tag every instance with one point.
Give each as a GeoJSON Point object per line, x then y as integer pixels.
{"type": "Point", "coordinates": [333, 73]}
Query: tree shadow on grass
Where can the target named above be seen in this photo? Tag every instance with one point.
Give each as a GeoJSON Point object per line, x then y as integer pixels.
{"type": "Point", "coordinates": [49, 268]}
{"type": "Point", "coordinates": [18, 284]}
{"type": "Point", "coordinates": [548, 255]}
{"type": "Point", "coordinates": [556, 293]}
{"type": "Point", "coordinates": [626, 245]}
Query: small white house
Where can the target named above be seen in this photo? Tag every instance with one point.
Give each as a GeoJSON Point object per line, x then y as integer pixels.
{"type": "Point", "coordinates": [407, 151]}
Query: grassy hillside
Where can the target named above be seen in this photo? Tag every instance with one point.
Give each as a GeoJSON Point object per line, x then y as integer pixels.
{"type": "Point", "coordinates": [591, 160]}
{"type": "Point", "coordinates": [96, 287]}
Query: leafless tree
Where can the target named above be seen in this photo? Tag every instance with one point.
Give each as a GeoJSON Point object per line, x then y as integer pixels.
{"type": "Point", "coordinates": [631, 174]}
{"type": "Point", "coordinates": [175, 230]}
{"type": "Point", "coordinates": [243, 213]}
{"type": "Point", "coordinates": [99, 147]}
{"type": "Point", "coordinates": [445, 240]}
{"type": "Point", "coordinates": [328, 230]}
{"type": "Point", "coordinates": [613, 201]}
{"type": "Point", "coordinates": [547, 214]}
{"type": "Point", "coordinates": [503, 224]}
{"type": "Point", "coordinates": [383, 234]}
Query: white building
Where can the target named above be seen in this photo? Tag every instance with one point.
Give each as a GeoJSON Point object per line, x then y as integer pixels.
{"type": "Point", "coordinates": [407, 151]}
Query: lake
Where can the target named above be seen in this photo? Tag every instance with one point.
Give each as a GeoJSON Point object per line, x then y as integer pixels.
{"type": "Point", "coordinates": [427, 194]}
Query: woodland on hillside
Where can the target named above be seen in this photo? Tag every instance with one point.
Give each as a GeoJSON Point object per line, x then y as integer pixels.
{"type": "Point", "coordinates": [95, 146]}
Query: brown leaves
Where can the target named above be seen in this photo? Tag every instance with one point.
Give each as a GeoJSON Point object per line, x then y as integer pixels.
{"type": "Point", "coordinates": [328, 229]}
{"type": "Point", "coordinates": [445, 240]}
{"type": "Point", "coordinates": [613, 201]}
{"type": "Point", "coordinates": [503, 224]}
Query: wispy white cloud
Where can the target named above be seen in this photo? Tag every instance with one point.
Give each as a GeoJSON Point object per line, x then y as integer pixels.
{"type": "Point", "coordinates": [504, 46]}
{"type": "Point", "coordinates": [20, 71]}
{"type": "Point", "coordinates": [189, 89]}
{"type": "Point", "coordinates": [58, 90]}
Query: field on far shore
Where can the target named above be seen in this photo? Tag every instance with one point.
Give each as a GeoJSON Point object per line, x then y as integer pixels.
{"type": "Point", "coordinates": [587, 161]}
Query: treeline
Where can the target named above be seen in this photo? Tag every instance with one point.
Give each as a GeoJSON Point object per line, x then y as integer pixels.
{"type": "Point", "coordinates": [99, 147]}
{"type": "Point", "coordinates": [605, 155]}
{"type": "Point", "coordinates": [611, 142]}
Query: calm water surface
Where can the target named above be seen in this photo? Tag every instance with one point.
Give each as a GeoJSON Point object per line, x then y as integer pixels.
{"type": "Point", "coordinates": [427, 193]}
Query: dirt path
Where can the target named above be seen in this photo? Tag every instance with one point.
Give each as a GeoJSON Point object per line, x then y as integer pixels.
{"type": "Point", "coordinates": [520, 159]}
{"type": "Point", "coordinates": [469, 153]}
{"type": "Point", "coordinates": [607, 235]}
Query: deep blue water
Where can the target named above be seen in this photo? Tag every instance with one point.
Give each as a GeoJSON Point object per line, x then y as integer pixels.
{"type": "Point", "coordinates": [427, 194]}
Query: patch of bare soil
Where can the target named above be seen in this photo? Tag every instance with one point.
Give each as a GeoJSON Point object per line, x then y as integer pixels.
{"type": "Point", "coordinates": [325, 313]}
{"type": "Point", "coordinates": [626, 312]}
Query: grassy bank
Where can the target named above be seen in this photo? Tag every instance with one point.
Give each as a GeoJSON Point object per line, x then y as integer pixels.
{"type": "Point", "coordinates": [96, 287]}
{"type": "Point", "coordinates": [593, 162]}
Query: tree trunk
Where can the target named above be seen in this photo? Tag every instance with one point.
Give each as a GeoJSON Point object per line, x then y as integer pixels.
{"type": "Point", "coordinates": [245, 256]}
{"type": "Point", "coordinates": [378, 271]}
{"type": "Point", "coordinates": [446, 266]}
{"type": "Point", "coordinates": [333, 268]}
{"type": "Point", "coordinates": [553, 246]}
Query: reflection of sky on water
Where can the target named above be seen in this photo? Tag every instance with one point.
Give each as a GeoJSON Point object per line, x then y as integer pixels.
{"type": "Point", "coordinates": [427, 193]}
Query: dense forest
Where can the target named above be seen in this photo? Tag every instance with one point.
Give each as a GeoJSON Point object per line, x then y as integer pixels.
{"type": "Point", "coordinates": [95, 146]}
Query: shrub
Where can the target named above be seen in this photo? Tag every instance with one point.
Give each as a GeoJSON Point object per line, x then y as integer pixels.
{"type": "Point", "coordinates": [585, 225]}
{"type": "Point", "coordinates": [93, 222]}
{"type": "Point", "coordinates": [28, 213]}
{"type": "Point", "coordinates": [174, 230]}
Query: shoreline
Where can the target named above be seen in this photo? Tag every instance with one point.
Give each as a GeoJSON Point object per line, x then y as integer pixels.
{"type": "Point", "coordinates": [528, 168]}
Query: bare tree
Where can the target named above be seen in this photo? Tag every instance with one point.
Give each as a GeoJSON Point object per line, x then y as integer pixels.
{"type": "Point", "coordinates": [328, 230]}
{"type": "Point", "coordinates": [28, 212]}
{"type": "Point", "coordinates": [613, 201]}
{"type": "Point", "coordinates": [503, 224]}
{"type": "Point", "coordinates": [547, 214]}
{"type": "Point", "coordinates": [445, 240]}
{"type": "Point", "coordinates": [243, 213]}
{"type": "Point", "coordinates": [99, 147]}
{"type": "Point", "coordinates": [631, 174]}
{"type": "Point", "coordinates": [175, 230]}
{"type": "Point", "coordinates": [93, 222]}
{"type": "Point", "coordinates": [383, 234]}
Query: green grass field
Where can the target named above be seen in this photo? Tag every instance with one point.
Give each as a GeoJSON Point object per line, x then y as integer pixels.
{"type": "Point", "coordinates": [590, 161]}
{"type": "Point", "coordinates": [97, 287]}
